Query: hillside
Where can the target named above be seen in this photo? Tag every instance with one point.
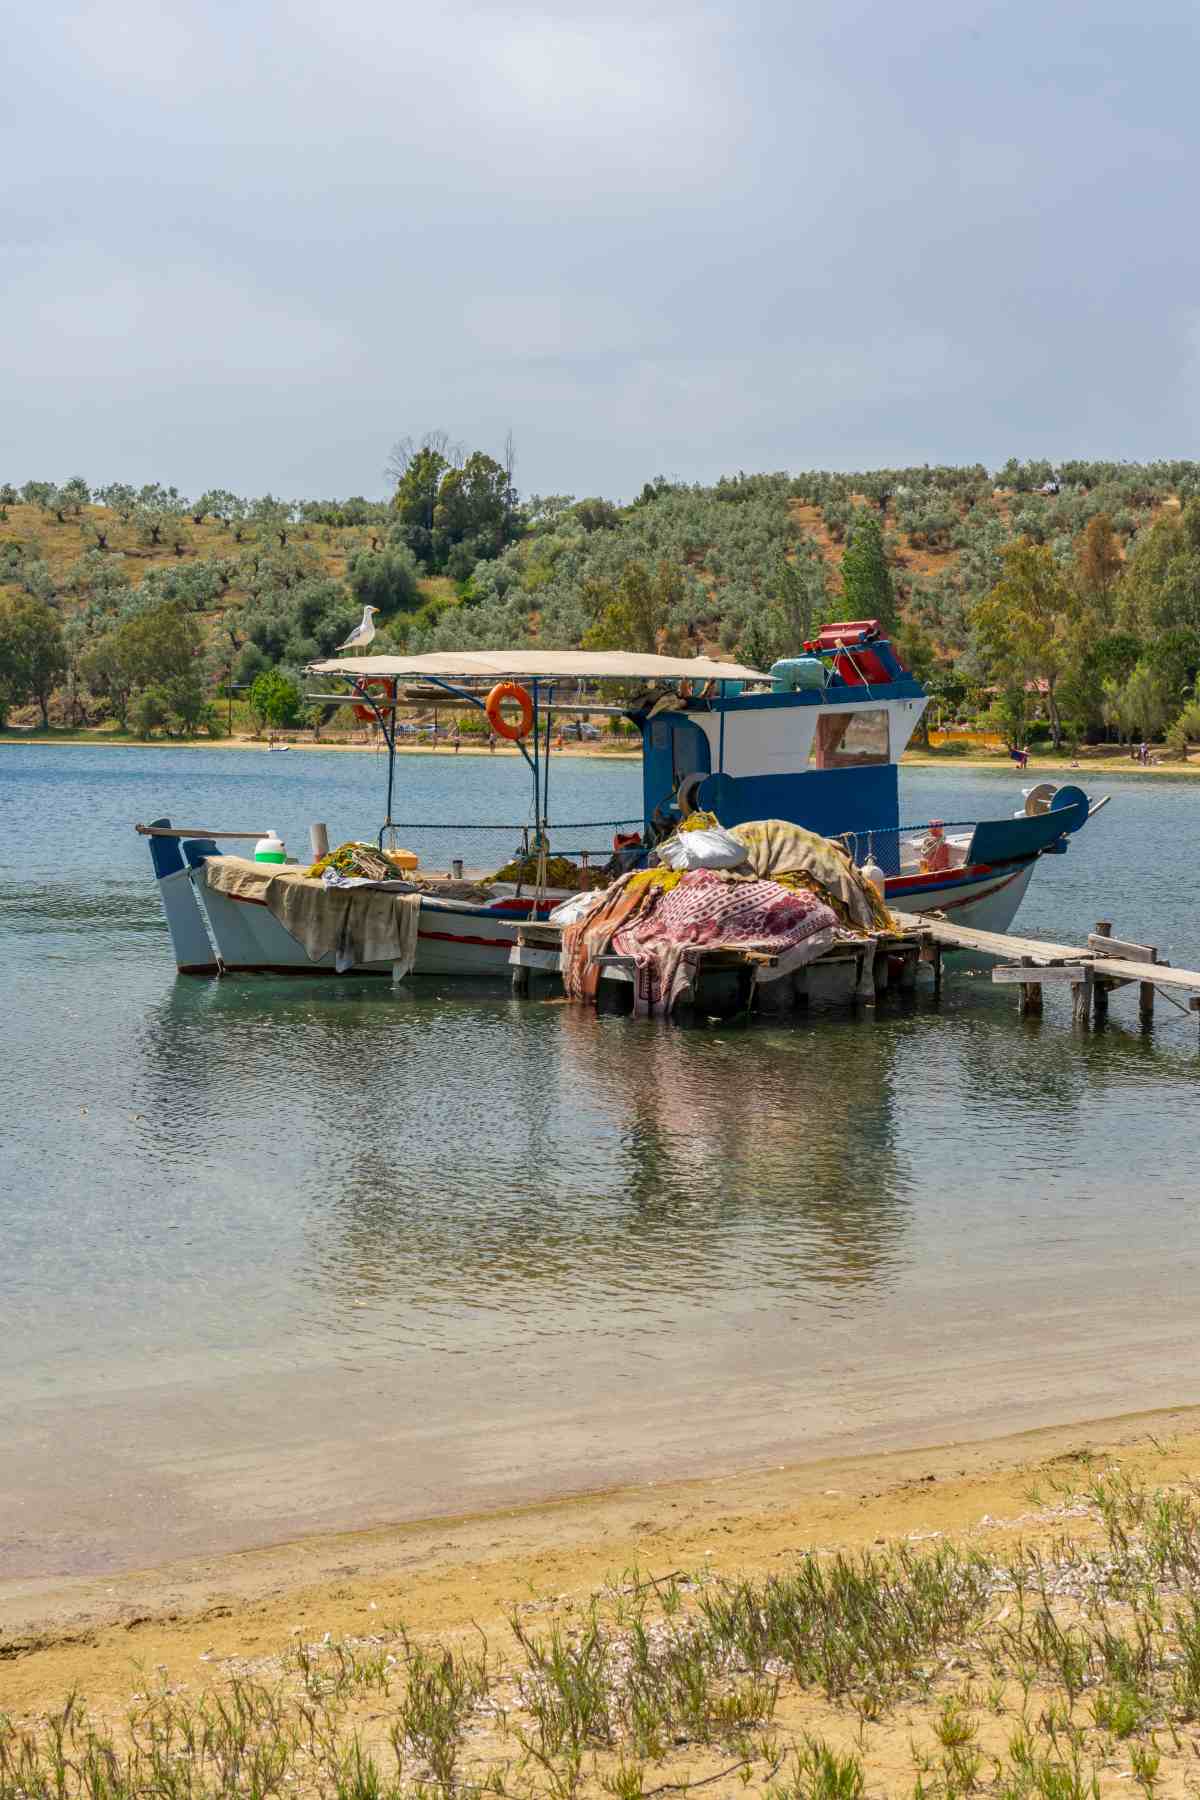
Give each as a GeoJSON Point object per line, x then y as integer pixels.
{"type": "Point", "coordinates": [748, 566]}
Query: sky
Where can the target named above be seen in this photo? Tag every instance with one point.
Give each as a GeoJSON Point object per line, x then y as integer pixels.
{"type": "Point", "coordinates": [252, 245]}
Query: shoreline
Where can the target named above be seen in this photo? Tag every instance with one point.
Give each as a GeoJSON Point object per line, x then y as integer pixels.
{"type": "Point", "coordinates": [596, 752]}
{"type": "Point", "coordinates": [461, 1571]}
{"type": "Point", "coordinates": [912, 759]}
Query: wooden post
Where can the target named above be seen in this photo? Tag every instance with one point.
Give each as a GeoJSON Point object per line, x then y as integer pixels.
{"type": "Point", "coordinates": [908, 971]}
{"type": "Point", "coordinates": [1100, 986]}
{"type": "Point", "coordinates": [1031, 994]}
{"type": "Point", "coordinates": [1082, 1003]}
{"type": "Point", "coordinates": [520, 982]}
{"type": "Point", "coordinates": [1146, 1002]}
{"type": "Point", "coordinates": [865, 986]}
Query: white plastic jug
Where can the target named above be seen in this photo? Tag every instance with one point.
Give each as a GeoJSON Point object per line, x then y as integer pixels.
{"type": "Point", "coordinates": [270, 849]}
{"type": "Point", "coordinates": [872, 872]}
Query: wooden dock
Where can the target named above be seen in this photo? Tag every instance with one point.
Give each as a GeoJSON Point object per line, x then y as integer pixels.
{"type": "Point", "coordinates": [733, 982]}
{"type": "Point", "coordinates": [1092, 970]}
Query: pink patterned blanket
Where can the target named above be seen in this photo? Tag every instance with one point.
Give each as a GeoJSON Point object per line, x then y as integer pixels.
{"type": "Point", "coordinates": [706, 911]}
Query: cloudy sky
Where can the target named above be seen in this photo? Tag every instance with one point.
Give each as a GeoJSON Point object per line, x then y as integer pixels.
{"type": "Point", "coordinates": [250, 244]}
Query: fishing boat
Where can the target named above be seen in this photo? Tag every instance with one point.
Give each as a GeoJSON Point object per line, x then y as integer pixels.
{"type": "Point", "coordinates": [816, 741]}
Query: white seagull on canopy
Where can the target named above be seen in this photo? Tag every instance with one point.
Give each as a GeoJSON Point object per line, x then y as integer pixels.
{"type": "Point", "coordinates": [363, 632]}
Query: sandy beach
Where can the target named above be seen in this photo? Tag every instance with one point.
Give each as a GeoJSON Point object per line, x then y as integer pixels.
{"type": "Point", "coordinates": [196, 1625]}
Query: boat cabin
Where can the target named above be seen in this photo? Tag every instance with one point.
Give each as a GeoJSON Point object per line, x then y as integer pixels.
{"type": "Point", "coordinates": [820, 747]}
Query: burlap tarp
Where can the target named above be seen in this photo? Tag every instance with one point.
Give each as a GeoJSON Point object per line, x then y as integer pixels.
{"type": "Point", "coordinates": [353, 925]}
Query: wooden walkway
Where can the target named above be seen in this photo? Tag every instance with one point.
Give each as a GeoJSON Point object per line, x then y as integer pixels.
{"type": "Point", "coordinates": [1092, 970]}
{"type": "Point", "coordinates": [730, 982]}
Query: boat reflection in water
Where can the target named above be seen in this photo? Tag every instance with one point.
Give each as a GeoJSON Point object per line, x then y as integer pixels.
{"type": "Point", "coordinates": [481, 1166]}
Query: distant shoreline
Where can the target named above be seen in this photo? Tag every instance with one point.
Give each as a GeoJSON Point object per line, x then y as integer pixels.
{"type": "Point", "coordinates": [1113, 764]}
{"type": "Point", "coordinates": [97, 740]}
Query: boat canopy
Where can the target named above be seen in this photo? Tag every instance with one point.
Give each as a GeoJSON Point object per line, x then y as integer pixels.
{"type": "Point", "coordinates": [536, 665]}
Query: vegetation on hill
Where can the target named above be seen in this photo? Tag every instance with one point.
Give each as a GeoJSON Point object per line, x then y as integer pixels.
{"type": "Point", "coordinates": [1063, 599]}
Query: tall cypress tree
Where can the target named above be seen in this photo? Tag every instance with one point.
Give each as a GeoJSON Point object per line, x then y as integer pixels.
{"type": "Point", "coordinates": [866, 578]}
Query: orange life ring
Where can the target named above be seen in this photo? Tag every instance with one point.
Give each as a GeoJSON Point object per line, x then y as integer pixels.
{"type": "Point", "coordinates": [388, 691]}
{"type": "Point", "coordinates": [509, 690]}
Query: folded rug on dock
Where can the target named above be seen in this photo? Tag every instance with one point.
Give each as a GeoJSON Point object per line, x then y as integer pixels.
{"type": "Point", "coordinates": [355, 926]}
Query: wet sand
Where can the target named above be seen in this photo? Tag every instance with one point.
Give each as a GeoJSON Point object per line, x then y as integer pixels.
{"type": "Point", "coordinates": [465, 1570]}
{"type": "Point", "coordinates": [146, 1468]}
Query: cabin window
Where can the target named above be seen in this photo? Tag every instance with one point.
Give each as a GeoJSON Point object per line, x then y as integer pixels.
{"type": "Point", "coordinates": [851, 740]}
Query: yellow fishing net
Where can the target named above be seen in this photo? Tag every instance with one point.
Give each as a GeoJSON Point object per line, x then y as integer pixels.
{"type": "Point", "coordinates": [561, 872]}
{"type": "Point", "coordinates": [666, 879]}
{"type": "Point", "coordinates": [365, 861]}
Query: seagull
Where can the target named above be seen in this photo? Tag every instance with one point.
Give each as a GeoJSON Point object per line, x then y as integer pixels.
{"type": "Point", "coordinates": [363, 632]}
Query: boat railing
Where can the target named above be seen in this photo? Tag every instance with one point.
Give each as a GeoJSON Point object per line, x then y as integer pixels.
{"type": "Point", "coordinates": [884, 842]}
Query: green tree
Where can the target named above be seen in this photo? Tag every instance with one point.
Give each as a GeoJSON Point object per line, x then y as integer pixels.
{"type": "Point", "coordinates": [95, 533]}
{"type": "Point", "coordinates": [160, 648]}
{"type": "Point", "coordinates": [97, 577]}
{"type": "Point", "coordinates": [866, 578]}
{"type": "Point", "coordinates": [1024, 625]}
{"type": "Point", "coordinates": [1161, 587]}
{"type": "Point", "coordinates": [273, 518]}
{"type": "Point", "coordinates": [795, 595]}
{"type": "Point", "coordinates": [385, 578]}
{"type": "Point", "coordinates": [33, 656]}
{"type": "Point", "coordinates": [151, 522]}
{"type": "Point", "coordinates": [1099, 566]}
{"type": "Point", "coordinates": [474, 507]}
{"type": "Point", "coordinates": [120, 498]}
{"type": "Point", "coordinates": [915, 649]}
{"type": "Point", "coordinates": [275, 699]}
{"type": "Point", "coordinates": [150, 710]}
{"type": "Point", "coordinates": [418, 470]}
{"type": "Point", "coordinates": [635, 612]}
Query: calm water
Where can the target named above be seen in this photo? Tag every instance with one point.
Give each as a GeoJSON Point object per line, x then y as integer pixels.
{"type": "Point", "coordinates": [466, 1248]}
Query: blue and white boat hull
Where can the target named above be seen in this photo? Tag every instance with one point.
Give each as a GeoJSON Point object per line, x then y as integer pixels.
{"type": "Point", "coordinates": [213, 932]}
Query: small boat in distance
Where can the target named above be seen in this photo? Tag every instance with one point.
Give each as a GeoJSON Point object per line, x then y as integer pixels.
{"type": "Point", "coordinates": [816, 742]}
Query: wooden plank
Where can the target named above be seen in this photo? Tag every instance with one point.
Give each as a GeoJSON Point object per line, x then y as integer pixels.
{"type": "Point", "coordinates": [529, 956]}
{"type": "Point", "coordinates": [179, 831]}
{"type": "Point", "coordinates": [1027, 975]}
{"type": "Point", "coordinates": [546, 936]}
{"type": "Point", "coordinates": [994, 943]}
{"type": "Point", "coordinates": [1001, 944]}
{"type": "Point", "coordinates": [1111, 946]}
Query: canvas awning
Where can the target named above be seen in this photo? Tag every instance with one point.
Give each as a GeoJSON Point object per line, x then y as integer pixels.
{"type": "Point", "coordinates": [535, 665]}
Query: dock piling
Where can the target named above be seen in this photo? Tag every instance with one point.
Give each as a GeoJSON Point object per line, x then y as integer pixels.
{"type": "Point", "coordinates": [1031, 994]}
{"type": "Point", "coordinates": [1099, 985]}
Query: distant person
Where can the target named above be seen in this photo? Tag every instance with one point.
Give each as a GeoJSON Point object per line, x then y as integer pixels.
{"type": "Point", "coordinates": [457, 736]}
{"type": "Point", "coordinates": [491, 743]}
